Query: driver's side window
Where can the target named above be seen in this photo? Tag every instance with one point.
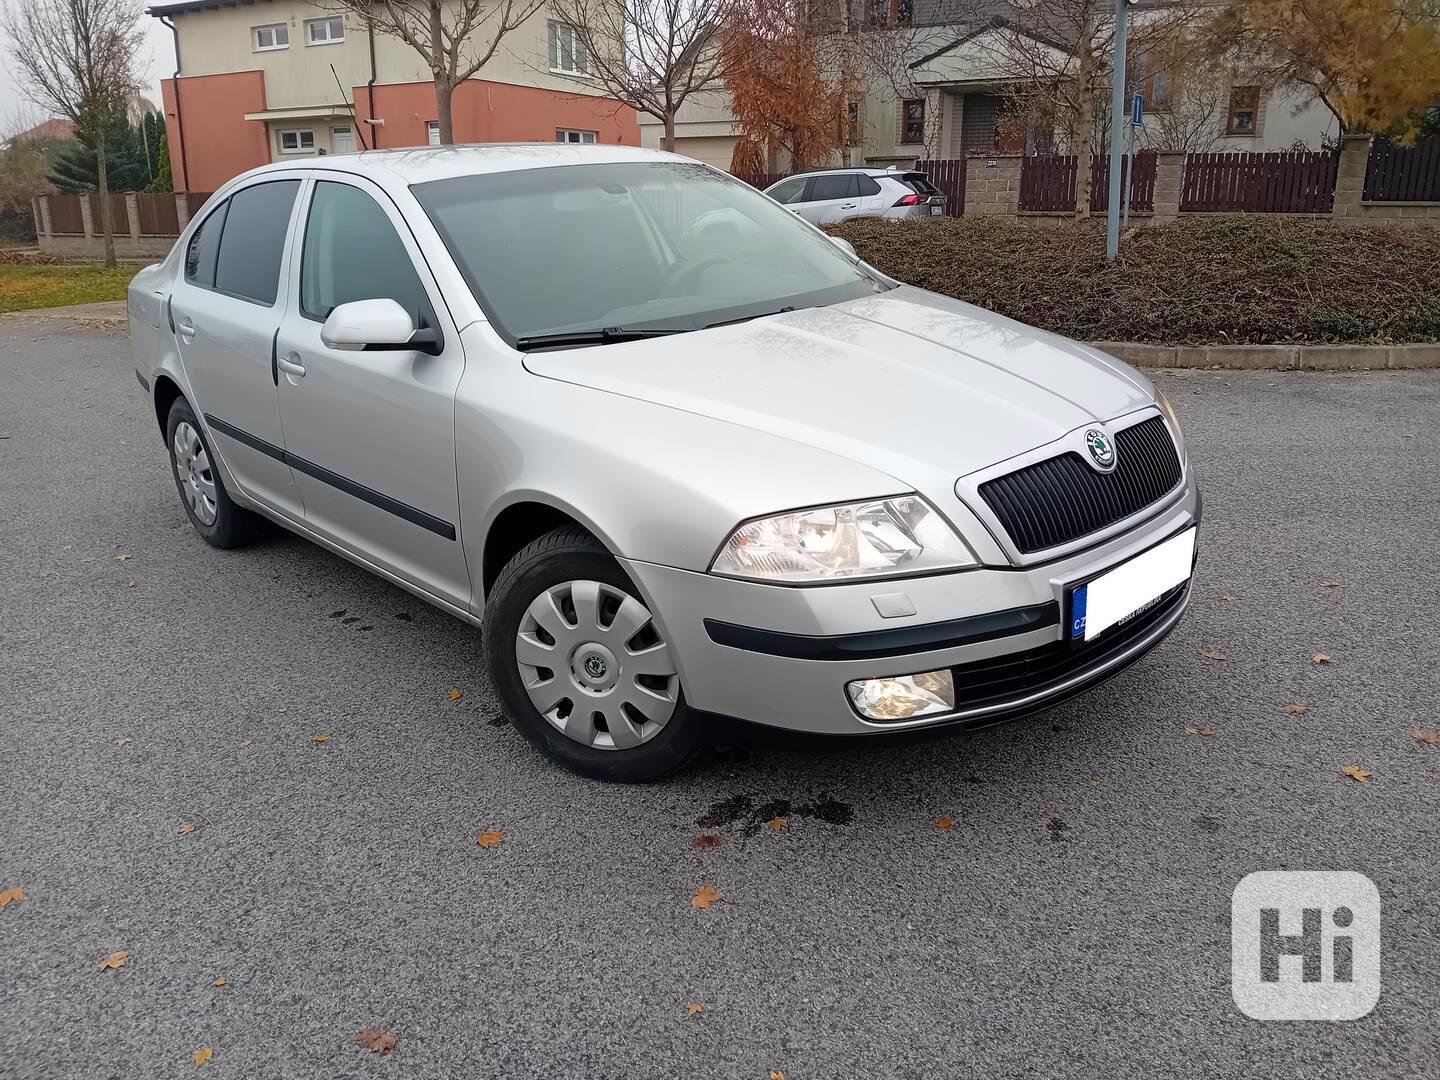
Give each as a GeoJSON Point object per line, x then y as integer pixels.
{"type": "Point", "coordinates": [352, 252]}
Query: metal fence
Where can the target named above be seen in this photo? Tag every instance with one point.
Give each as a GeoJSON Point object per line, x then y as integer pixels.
{"type": "Point", "coordinates": [1280, 182]}
{"type": "Point", "coordinates": [1403, 173]}
{"type": "Point", "coordinates": [1047, 182]}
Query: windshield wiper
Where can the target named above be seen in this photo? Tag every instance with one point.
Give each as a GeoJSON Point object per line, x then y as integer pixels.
{"type": "Point", "coordinates": [604, 336]}
{"type": "Point", "coordinates": [747, 318]}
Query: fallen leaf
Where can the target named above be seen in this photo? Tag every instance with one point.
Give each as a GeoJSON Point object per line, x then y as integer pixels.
{"type": "Point", "coordinates": [777, 823]}
{"type": "Point", "coordinates": [1355, 772]}
{"type": "Point", "coordinates": [122, 742]}
{"type": "Point", "coordinates": [11, 896]}
{"type": "Point", "coordinates": [1206, 731]}
{"type": "Point", "coordinates": [708, 841]}
{"type": "Point", "coordinates": [1227, 598]}
{"type": "Point", "coordinates": [1213, 654]}
{"type": "Point", "coordinates": [376, 1041]}
{"type": "Point", "coordinates": [1295, 709]}
{"type": "Point", "coordinates": [704, 896]}
{"type": "Point", "coordinates": [322, 738]}
{"type": "Point", "coordinates": [1429, 738]}
{"type": "Point", "coordinates": [944, 821]}
{"type": "Point", "coordinates": [776, 1074]}
{"type": "Point", "coordinates": [201, 1056]}
{"type": "Point", "coordinates": [489, 838]}
{"type": "Point", "coordinates": [122, 558]}
{"type": "Point", "coordinates": [1331, 583]}
{"type": "Point", "coordinates": [693, 1009]}
{"type": "Point", "coordinates": [188, 827]}
{"type": "Point", "coordinates": [219, 982]}
{"type": "Point", "coordinates": [1093, 780]}
{"type": "Point", "coordinates": [1321, 658]}
{"type": "Point", "coordinates": [130, 584]}
{"type": "Point", "coordinates": [114, 960]}
{"type": "Point", "coordinates": [454, 695]}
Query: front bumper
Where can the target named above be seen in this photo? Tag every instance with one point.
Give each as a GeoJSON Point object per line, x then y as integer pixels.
{"type": "Point", "coordinates": [782, 656]}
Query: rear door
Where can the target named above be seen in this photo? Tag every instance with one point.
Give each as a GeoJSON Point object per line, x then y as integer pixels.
{"type": "Point", "coordinates": [226, 309]}
{"type": "Point", "coordinates": [831, 198]}
{"type": "Point", "coordinates": [370, 435]}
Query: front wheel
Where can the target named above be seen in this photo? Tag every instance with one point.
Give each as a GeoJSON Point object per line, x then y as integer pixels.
{"type": "Point", "coordinates": [581, 665]}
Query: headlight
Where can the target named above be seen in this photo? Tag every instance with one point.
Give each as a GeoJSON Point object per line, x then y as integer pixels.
{"type": "Point", "coordinates": [854, 540]}
{"type": "Point", "coordinates": [1168, 409]}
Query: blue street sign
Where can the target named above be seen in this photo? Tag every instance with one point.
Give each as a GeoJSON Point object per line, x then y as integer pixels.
{"type": "Point", "coordinates": [1137, 109]}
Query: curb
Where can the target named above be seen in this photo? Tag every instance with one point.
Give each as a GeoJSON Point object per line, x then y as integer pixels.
{"type": "Point", "coordinates": [1276, 357]}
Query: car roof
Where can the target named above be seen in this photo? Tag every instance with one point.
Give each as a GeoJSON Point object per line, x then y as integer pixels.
{"type": "Point", "coordinates": [421, 164]}
{"type": "Point", "coordinates": [863, 170]}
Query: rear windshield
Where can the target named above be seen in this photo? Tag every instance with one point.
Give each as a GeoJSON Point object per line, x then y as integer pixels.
{"type": "Point", "coordinates": [919, 182]}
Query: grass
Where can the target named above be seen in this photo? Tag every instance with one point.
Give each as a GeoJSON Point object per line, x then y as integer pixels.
{"type": "Point", "coordinates": [1231, 279]}
{"type": "Point", "coordinates": [23, 288]}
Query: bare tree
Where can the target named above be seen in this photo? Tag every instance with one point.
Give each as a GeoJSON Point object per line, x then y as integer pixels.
{"type": "Point", "coordinates": [455, 38]}
{"type": "Point", "coordinates": [649, 54]}
{"type": "Point", "coordinates": [76, 58]}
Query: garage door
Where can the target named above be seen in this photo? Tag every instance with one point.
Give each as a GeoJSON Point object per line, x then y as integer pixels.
{"type": "Point", "coordinates": [711, 149]}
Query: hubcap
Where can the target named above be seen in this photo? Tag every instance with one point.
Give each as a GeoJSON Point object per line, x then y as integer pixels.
{"type": "Point", "coordinates": [595, 665]}
{"type": "Point", "coordinates": [192, 466]}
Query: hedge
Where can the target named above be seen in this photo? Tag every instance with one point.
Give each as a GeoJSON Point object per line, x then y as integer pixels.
{"type": "Point", "coordinates": [1222, 280]}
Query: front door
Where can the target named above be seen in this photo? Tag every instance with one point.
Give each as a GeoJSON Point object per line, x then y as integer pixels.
{"type": "Point", "coordinates": [342, 140]}
{"type": "Point", "coordinates": [370, 436]}
{"type": "Point", "coordinates": [226, 308]}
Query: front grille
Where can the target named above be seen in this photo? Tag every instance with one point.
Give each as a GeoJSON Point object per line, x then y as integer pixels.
{"type": "Point", "coordinates": [1016, 675]}
{"type": "Point", "coordinates": [1062, 498]}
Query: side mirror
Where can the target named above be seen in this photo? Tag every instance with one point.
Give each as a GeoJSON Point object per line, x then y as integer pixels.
{"type": "Point", "coordinates": [376, 325]}
{"type": "Point", "coordinates": [845, 246]}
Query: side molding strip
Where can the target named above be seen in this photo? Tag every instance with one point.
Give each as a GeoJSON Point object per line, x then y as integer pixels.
{"type": "Point", "coordinates": [341, 483]}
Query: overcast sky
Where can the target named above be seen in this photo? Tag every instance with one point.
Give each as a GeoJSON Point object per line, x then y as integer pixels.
{"type": "Point", "coordinates": [156, 62]}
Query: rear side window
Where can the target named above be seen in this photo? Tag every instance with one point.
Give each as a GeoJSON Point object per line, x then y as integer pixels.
{"type": "Point", "coordinates": [352, 252]}
{"type": "Point", "coordinates": [254, 239]}
{"type": "Point", "coordinates": [834, 186]}
{"type": "Point", "coordinates": [868, 186]}
{"type": "Point", "coordinates": [919, 182]}
{"type": "Point", "coordinates": [204, 246]}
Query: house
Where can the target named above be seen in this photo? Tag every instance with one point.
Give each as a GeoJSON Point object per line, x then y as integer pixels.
{"type": "Point", "coordinates": [57, 128]}
{"type": "Point", "coordinates": [265, 80]}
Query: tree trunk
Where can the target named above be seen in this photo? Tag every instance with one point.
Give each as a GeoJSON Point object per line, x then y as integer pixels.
{"type": "Point", "coordinates": [103, 189]}
{"type": "Point", "coordinates": [443, 94]}
{"type": "Point", "coordinates": [667, 143]}
{"type": "Point", "coordinates": [1085, 114]}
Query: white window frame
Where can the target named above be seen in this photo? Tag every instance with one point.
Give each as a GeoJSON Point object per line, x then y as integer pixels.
{"type": "Point", "coordinates": [562, 135]}
{"type": "Point", "coordinates": [432, 132]}
{"type": "Point", "coordinates": [327, 21]}
{"type": "Point", "coordinates": [275, 45]}
{"type": "Point", "coordinates": [300, 148]}
{"type": "Point", "coordinates": [554, 32]}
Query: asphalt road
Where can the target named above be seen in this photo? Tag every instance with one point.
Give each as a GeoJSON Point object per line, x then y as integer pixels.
{"type": "Point", "coordinates": [1074, 921]}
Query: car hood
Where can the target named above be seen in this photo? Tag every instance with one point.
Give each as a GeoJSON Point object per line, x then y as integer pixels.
{"type": "Point", "coordinates": [908, 382]}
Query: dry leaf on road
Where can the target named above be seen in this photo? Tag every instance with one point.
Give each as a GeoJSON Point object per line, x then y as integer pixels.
{"type": "Point", "coordinates": [322, 738]}
{"type": "Point", "coordinates": [114, 960]}
{"type": "Point", "coordinates": [188, 827]}
{"type": "Point", "coordinates": [1429, 738]}
{"type": "Point", "coordinates": [130, 584]}
{"type": "Point", "coordinates": [1213, 654]}
{"type": "Point", "coordinates": [708, 841]}
{"type": "Point", "coordinates": [11, 896]}
{"type": "Point", "coordinates": [1355, 772]}
{"type": "Point", "coordinates": [1295, 709]}
{"type": "Point", "coordinates": [1206, 731]}
{"type": "Point", "coordinates": [219, 982]}
{"type": "Point", "coordinates": [1227, 598]}
{"type": "Point", "coordinates": [376, 1041]}
{"type": "Point", "coordinates": [704, 896]}
{"type": "Point", "coordinates": [693, 1008]}
{"type": "Point", "coordinates": [776, 1074]}
{"type": "Point", "coordinates": [1331, 583]}
{"type": "Point", "coordinates": [777, 823]}
{"type": "Point", "coordinates": [454, 695]}
{"type": "Point", "coordinates": [490, 837]}
{"type": "Point", "coordinates": [1321, 658]}
{"type": "Point", "coordinates": [944, 821]}
{"type": "Point", "coordinates": [122, 558]}
{"type": "Point", "coordinates": [201, 1056]}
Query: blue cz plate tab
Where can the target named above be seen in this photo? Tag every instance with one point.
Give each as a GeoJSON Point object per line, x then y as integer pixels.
{"type": "Point", "coordinates": [1077, 612]}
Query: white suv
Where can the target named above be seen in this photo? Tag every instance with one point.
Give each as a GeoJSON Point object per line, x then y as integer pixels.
{"type": "Point", "coordinates": [835, 195]}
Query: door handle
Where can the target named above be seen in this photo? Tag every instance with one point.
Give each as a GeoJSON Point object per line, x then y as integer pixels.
{"type": "Point", "coordinates": [185, 328]}
{"type": "Point", "coordinates": [848, 206]}
{"type": "Point", "coordinates": [290, 367]}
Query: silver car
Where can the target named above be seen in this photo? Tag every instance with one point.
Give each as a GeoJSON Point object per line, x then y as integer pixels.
{"type": "Point", "coordinates": [679, 453]}
{"type": "Point", "coordinates": [831, 196]}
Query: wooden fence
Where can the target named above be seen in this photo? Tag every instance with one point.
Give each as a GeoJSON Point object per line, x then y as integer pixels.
{"type": "Point", "coordinates": [159, 215]}
{"type": "Point", "coordinates": [1280, 182]}
{"type": "Point", "coordinates": [948, 174]}
{"type": "Point", "coordinates": [119, 214]}
{"type": "Point", "coordinates": [66, 217]}
{"type": "Point", "coordinates": [1403, 173]}
{"type": "Point", "coordinates": [1047, 182]}
{"type": "Point", "coordinates": [761, 181]}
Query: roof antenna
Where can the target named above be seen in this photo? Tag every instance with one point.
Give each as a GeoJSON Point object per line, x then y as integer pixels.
{"type": "Point", "coordinates": [355, 120]}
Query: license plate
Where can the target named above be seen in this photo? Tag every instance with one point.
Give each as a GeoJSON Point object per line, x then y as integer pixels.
{"type": "Point", "coordinates": [1125, 591]}
{"type": "Point", "coordinates": [936, 211]}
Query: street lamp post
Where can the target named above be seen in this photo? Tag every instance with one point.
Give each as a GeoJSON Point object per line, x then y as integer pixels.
{"type": "Point", "coordinates": [1117, 123]}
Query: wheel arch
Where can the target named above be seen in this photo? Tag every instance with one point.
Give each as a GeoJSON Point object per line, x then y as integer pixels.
{"type": "Point", "coordinates": [525, 517]}
{"type": "Point", "coordinates": [165, 391]}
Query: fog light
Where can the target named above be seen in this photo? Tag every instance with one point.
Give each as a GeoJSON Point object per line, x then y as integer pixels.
{"type": "Point", "coordinates": [904, 697]}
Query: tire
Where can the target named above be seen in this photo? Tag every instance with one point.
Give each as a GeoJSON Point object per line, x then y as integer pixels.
{"type": "Point", "coordinates": [598, 670]}
{"type": "Point", "coordinates": [231, 526]}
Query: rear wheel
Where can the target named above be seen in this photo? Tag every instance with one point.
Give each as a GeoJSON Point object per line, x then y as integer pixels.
{"type": "Point", "coordinates": [208, 505]}
{"type": "Point", "coordinates": [581, 665]}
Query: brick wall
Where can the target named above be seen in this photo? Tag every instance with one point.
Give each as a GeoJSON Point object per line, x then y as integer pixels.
{"type": "Point", "coordinates": [992, 185]}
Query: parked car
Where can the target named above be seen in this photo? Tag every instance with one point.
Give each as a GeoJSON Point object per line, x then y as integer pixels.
{"type": "Point", "coordinates": [835, 195]}
{"type": "Point", "coordinates": [676, 451]}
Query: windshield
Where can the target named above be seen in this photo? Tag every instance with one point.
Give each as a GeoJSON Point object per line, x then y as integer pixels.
{"type": "Point", "coordinates": [664, 246]}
